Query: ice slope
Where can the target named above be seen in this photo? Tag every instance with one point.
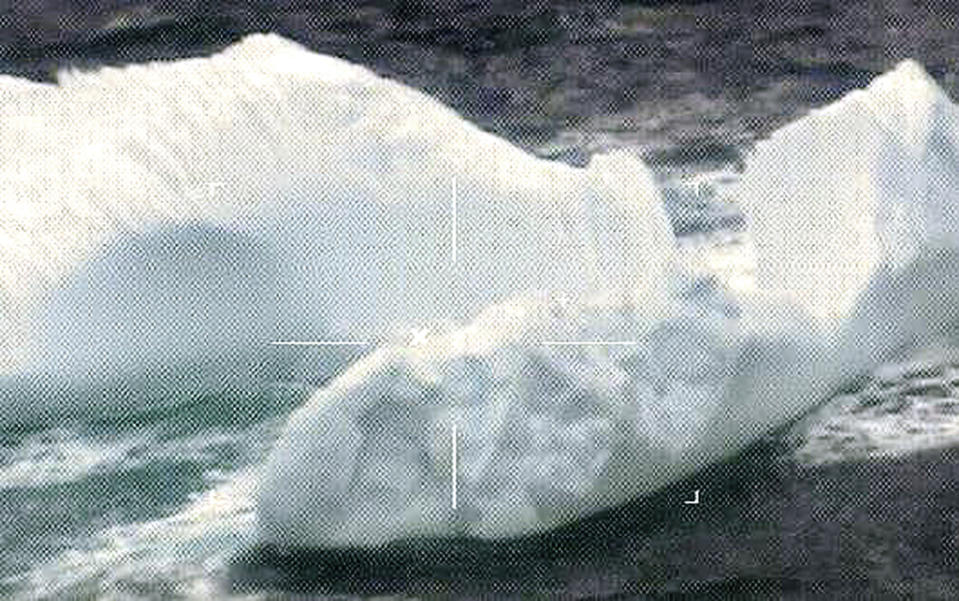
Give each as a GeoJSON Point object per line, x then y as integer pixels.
{"type": "Point", "coordinates": [192, 212]}
{"type": "Point", "coordinates": [854, 210]}
{"type": "Point", "coordinates": [852, 213]}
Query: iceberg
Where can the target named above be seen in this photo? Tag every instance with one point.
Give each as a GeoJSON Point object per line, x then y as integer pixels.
{"type": "Point", "coordinates": [159, 217]}
{"type": "Point", "coordinates": [852, 214]}
{"type": "Point", "coordinates": [169, 222]}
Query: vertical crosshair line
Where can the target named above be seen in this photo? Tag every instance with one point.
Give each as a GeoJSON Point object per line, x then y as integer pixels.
{"type": "Point", "coordinates": [453, 232]}
{"type": "Point", "coordinates": [453, 470]}
{"type": "Point", "coordinates": [453, 466]}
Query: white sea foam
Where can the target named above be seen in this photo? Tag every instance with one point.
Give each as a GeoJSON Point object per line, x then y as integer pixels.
{"type": "Point", "coordinates": [58, 456]}
{"type": "Point", "coordinates": [905, 407]}
{"type": "Point", "coordinates": [183, 555]}
{"type": "Point", "coordinates": [62, 455]}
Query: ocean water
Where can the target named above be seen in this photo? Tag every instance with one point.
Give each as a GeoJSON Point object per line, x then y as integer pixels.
{"type": "Point", "coordinates": [156, 499]}
{"type": "Point", "coordinates": [90, 492]}
{"type": "Point", "coordinates": [690, 83]}
{"type": "Point", "coordinates": [162, 506]}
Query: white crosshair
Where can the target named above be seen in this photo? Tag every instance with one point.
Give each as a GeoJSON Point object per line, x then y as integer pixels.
{"type": "Point", "coordinates": [420, 337]}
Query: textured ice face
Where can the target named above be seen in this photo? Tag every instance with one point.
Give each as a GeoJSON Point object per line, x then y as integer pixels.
{"type": "Point", "coordinates": [370, 458]}
{"type": "Point", "coordinates": [863, 185]}
{"type": "Point", "coordinates": [546, 432]}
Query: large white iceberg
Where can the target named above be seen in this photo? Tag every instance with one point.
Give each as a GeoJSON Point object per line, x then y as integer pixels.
{"type": "Point", "coordinates": [852, 209]}
{"type": "Point", "coordinates": [191, 213]}
{"type": "Point", "coordinates": [170, 221]}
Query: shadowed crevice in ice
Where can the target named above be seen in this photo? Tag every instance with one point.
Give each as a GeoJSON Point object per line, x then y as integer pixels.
{"type": "Point", "coordinates": [177, 295]}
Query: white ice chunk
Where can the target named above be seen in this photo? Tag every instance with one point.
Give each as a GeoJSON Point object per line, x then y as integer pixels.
{"type": "Point", "coordinates": [195, 211]}
{"type": "Point", "coordinates": [845, 202]}
{"type": "Point", "coordinates": [547, 433]}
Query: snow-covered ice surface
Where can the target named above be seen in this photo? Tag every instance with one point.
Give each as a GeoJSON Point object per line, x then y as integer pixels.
{"type": "Point", "coordinates": [322, 197]}
{"type": "Point", "coordinates": [842, 203]}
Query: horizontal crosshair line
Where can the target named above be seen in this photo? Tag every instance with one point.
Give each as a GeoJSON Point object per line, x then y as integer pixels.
{"type": "Point", "coordinates": [545, 343]}
{"type": "Point", "coordinates": [319, 343]}
{"type": "Point", "coordinates": [589, 342]}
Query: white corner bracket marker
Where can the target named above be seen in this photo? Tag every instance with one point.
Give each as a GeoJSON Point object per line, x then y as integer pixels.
{"type": "Point", "coordinates": [453, 470]}
{"type": "Point", "coordinates": [695, 500]}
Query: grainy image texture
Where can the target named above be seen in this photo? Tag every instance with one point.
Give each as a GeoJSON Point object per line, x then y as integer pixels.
{"type": "Point", "coordinates": [479, 300]}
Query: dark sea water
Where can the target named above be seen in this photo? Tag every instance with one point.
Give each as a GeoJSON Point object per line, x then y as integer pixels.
{"type": "Point", "coordinates": [690, 85]}
{"type": "Point", "coordinates": [765, 529]}
{"type": "Point", "coordinates": [63, 483]}
{"type": "Point", "coordinates": [685, 82]}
